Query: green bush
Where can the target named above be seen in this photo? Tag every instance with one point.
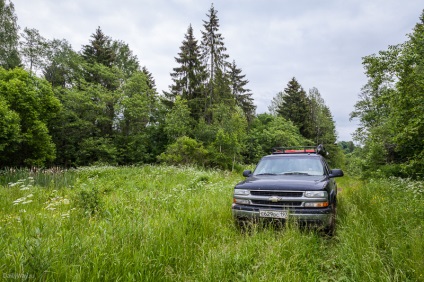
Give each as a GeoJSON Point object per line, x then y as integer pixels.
{"type": "Point", "coordinates": [185, 151]}
{"type": "Point", "coordinates": [89, 200]}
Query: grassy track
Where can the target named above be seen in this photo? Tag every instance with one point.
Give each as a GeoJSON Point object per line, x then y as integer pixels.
{"type": "Point", "coordinates": [158, 223]}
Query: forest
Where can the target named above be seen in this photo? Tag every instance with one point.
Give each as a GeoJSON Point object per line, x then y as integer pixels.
{"type": "Point", "coordinates": [61, 107]}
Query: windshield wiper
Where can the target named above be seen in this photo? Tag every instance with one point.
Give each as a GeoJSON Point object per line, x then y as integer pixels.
{"type": "Point", "coordinates": [266, 173]}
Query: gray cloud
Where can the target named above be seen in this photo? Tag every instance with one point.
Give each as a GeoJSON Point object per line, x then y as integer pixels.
{"type": "Point", "coordinates": [321, 42]}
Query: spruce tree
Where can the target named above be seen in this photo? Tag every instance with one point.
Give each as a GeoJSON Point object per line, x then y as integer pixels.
{"type": "Point", "coordinates": [242, 95]}
{"type": "Point", "coordinates": [150, 79]}
{"type": "Point", "coordinates": [189, 76]}
{"type": "Point", "coordinates": [213, 50]}
{"type": "Point", "coordinates": [294, 105]}
{"type": "Point", "coordinates": [103, 77]}
{"type": "Point", "coordinates": [99, 50]}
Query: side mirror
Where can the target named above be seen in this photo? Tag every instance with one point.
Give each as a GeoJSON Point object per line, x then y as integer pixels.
{"type": "Point", "coordinates": [336, 173]}
{"type": "Point", "coordinates": [247, 173]}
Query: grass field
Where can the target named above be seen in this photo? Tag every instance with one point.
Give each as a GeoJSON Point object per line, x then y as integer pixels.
{"type": "Point", "coordinates": [159, 223]}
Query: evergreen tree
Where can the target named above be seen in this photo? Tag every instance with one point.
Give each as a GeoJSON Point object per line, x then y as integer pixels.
{"type": "Point", "coordinates": [213, 51]}
{"type": "Point", "coordinates": [150, 79]}
{"type": "Point", "coordinates": [104, 77]}
{"type": "Point", "coordinates": [295, 105]}
{"type": "Point", "coordinates": [189, 76]}
{"type": "Point", "coordinates": [9, 54]}
{"type": "Point", "coordinates": [222, 90]}
{"type": "Point", "coordinates": [242, 95]}
{"type": "Point", "coordinates": [100, 49]}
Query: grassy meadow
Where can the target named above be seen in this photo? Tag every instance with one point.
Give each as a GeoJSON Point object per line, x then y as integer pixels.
{"type": "Point", "coordinates": [163, 223]}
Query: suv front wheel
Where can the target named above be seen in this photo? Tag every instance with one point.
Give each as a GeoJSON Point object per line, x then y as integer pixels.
{"type": "Point", "coordinates": [331, 228]}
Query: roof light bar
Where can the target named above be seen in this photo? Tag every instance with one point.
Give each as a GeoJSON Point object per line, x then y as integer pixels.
{"type": "Point", "coordinates": [299, 150]}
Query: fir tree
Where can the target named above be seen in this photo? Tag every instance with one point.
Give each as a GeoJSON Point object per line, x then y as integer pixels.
{"type": "Point", "coordinates": [189, 76]}
{"type": "Point", "coordinates": [99, 50]}
{"type": "Point", "coordinates": [242, 95]}
{"type": "Point", "coordinates": [294, 105]}
{"type": "Point", "coordinates": [150, 79]}
{"type": "Point", "coordinates": [213, 50]}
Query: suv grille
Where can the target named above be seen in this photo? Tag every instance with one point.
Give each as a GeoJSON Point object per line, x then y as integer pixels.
{"type": "Point", "coordinates": [276, 193]}
{"type": "Point", "coordinates": [279, 204]}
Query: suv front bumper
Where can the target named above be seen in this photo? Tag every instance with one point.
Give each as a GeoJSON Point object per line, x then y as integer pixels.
{"type": "Point", "coordinates": [321, 216]}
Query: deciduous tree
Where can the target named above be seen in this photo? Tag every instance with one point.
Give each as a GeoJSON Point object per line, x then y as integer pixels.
{"type": "Point", "coordinates": [29, 100]}
{"type": "Point", "coordinates": [9, 36]}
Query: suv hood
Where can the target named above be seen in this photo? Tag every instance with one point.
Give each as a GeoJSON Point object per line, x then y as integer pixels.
{"type": "Point", "coordinates": [283, 182]}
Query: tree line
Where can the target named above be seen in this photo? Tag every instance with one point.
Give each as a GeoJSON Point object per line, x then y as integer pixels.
{"type": "Point", "coordinates": [390, 110]}
{"type": "Point", "coordinates": [69, 108]}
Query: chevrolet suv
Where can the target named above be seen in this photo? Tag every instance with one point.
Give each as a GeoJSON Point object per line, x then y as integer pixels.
{"type": "Point", "coordinates": [291, 183]}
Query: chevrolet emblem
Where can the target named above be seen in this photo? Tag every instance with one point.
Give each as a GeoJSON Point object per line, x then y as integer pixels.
{"type": "Point", "coordinates": [274, 199]}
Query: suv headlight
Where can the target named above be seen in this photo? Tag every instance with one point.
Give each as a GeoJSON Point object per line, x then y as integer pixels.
{"type": "Point", "coordinates": [316, 194]}
{"type": "Point", "coordinates": [241, 192]}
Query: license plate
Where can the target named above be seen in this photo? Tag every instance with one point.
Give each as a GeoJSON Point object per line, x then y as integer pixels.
{"type": "Point", "coordinates": [273, 214]}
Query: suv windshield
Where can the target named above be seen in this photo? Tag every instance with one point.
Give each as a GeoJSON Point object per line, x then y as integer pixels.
{"type": "Point", "coordinates": [289, 166]}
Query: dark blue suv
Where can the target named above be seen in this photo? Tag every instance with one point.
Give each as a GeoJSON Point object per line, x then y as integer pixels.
{"type": "Point", "coordinates": [294, 183]}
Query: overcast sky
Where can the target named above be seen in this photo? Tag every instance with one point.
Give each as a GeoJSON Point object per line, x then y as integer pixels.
{"type": "Point", "coordinates": [320, 42]}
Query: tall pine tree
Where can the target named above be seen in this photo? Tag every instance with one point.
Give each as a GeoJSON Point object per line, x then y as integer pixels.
{"type": "Point", "coordinates": [294, 105]}
{"type": "Point", "coordinates": [213, 52]}
{"type": "Point", "coordinates": [102, 74]}
{"type": "Point", "coordinates": [189, 76]}
{"type": "Point", "coordinates": [242, 95]}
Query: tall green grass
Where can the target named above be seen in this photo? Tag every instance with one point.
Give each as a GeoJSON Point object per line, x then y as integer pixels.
{"type": "Point", "coordinates": [160, 223]}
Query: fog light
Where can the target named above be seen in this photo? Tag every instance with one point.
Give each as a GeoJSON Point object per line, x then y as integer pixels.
{"type": "Point", "coordinates": [241, 201]}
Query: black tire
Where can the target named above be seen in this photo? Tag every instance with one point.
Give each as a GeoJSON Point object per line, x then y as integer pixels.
{"type": "Point", "coordinates": [331, 228]}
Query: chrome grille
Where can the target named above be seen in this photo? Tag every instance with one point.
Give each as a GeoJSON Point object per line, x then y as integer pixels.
{"type": "Point", "coordinates": [276, 193]}
{"type": "Point", "coordinates": [278, 204]}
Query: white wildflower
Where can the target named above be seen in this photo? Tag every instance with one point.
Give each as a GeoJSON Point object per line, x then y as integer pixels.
{"type": "Point", "coordinates": [18, 201]}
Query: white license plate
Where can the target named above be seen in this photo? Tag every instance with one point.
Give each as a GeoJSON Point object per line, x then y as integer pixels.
{"type": "Point", "coordinates": [273, 214]}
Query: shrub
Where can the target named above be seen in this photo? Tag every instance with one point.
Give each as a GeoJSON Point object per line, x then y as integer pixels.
{"type": "Point", "coordinates": [184, 151]}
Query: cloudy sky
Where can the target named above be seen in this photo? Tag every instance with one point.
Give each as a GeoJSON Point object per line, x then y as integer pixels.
{"type": "Point", "coordinates": [320, 42]}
